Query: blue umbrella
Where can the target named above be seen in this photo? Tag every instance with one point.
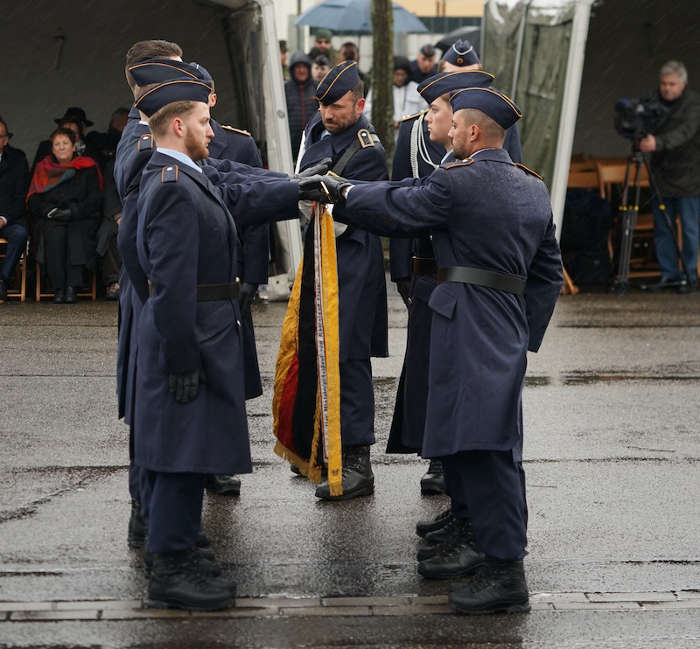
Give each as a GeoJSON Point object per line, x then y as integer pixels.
{"type": "Point", "coordinates": [355, 16]}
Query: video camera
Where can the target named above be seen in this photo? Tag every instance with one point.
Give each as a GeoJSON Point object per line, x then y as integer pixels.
{"type": "Point", "coordinates": [637, 118]}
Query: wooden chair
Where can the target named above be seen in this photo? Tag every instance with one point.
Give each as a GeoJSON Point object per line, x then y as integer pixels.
{"type": "Point", "coordinates": [90, 292]}
{"type": "Point", "coordinates": [613, 173]}
{"type": "Point", "coordinates": [20, 272]}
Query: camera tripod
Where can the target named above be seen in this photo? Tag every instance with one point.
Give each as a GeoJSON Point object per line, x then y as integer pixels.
{"type": "Point", "coordinates": [629, 211]}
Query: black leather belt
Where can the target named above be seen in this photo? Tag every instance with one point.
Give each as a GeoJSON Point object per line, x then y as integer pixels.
{"type": "Point", "coordinates": [213, 292]}
{"type": "Point", "coordinates": [481, 277]}
{"type": "Point", "coordinates": [423, 266]}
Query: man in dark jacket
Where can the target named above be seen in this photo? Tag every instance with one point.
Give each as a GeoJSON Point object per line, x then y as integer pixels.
{"type": "Point", "coordinates": [14, 177]}
{"type": "Point", "coordinates": [675, 163]}
{"type": "Point", "coordinates": [424, 65]}
{"type": "Point", "coordinates": [299, 91]}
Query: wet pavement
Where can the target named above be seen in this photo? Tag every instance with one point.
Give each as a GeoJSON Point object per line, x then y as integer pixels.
{"type": "Point", "coordinates": [612, 453]}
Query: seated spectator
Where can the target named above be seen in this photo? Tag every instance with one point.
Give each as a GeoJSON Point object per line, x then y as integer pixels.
{"type": "Point", "coordinates": [14, 174]}
{"type": "Point", "coordinates": [323, 46]}
{"type": "Point", "coordinates": [107, 251]}
{"type": "Point", "coordinates": [319, 68]}
{"type": "Point", "coordinates": [105, 144]}
{"type": "Point", "coordinates": [64, 200]}
{"type": "Point", "coordinates": [299, 91]}
{"type": "Point", "coordinates": [76, 120]}
{"type": "Point", "coordinates": [407, 101]}
{"type": "Point", "coordinates": [424, 66]}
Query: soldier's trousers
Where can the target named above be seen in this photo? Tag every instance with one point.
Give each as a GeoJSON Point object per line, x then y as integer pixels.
{"type": "Point", "coordinates": [488, 487]}
{"type": "Point", "coordinates": [356, 403]}
{"type": "Point", "coordinates": [174, 510]}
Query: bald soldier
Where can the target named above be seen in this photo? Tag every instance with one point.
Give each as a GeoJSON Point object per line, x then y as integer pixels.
{"type": "Point", "coordinates": [499, 275]}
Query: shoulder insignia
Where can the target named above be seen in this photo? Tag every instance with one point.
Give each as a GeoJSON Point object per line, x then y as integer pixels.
{"type": "Point", "coordinates": [365, 138]}
{"type": "Point", "coordinates": [405, 119]}
{"type": "Point", "coordinates": [240, 131]}
{"type": "Point", "coordinates": [529, 171]}
{"type": "Point", "coordinates": [145, 142]}
{"type": "Point", "coordinates": [459, 163]}
{"type": "Point", "coordinates": [169, 174]}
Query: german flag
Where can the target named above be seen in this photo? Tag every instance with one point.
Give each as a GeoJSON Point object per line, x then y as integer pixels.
{"type": "Point", "coordinates": [306, 402]}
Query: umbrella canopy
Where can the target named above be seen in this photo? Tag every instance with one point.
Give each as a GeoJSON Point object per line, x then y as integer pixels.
{"type": "Point", "coordinates": [355, 16]}
{"type": "Point", "coordinates": [471, 33]}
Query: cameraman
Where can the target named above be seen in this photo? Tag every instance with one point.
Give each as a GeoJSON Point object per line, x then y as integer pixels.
{"type": "Point", "coordinates": [675, 163]}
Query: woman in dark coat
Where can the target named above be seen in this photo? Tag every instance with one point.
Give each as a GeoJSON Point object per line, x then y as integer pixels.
{"type": "Point", "coordinates": [64, 200]}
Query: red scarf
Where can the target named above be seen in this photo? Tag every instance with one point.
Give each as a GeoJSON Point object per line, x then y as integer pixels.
{"type": "Point", "coordinates": [48, 173]}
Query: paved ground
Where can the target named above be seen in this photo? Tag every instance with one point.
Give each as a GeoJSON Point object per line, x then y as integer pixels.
{"type": "Point", "coordinates": [612, 456]}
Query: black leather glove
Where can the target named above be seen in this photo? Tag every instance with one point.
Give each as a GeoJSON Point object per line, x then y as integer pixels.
{"type": "Point", "coordinates": [403, 286]}
{"type": "Point", "coordinates": [58, 213]}
{"type": "Point", "coordinates": [326, 189]}
{"type": "Point", "coordinates": [246, 294]}
{"type": "Point", "coordinates": [320, 168]}
{"type": "Point", "coordinates": [185, 386]}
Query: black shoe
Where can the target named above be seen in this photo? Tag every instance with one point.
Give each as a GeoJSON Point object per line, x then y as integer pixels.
{"type": "Point", "coordinates": [3, 290]}
{"type": "Point", "coordinates": [662, 285]}
{"type": "Point", "coordinates": [464, 534]}
{"type": "Point", "coordinates": [205, 558]}
{"type": "Point", "coordinates": [223, 485]}
{"type": "Point", "coordinates": [60, 296]}
{"type": "Point", "coordinates": [455, 559]}
{"type": "Point", "coordinates": [70, 295]}
{"type": "Point", "coordinates": [687, 287]}
{"type": "Point", "coordinates": [177, 581]}
{"type": "Point", "coordinates": [424, 527]}
{"type": "Point", "coordinates": [497, 587]}
{"type": "Point", "coordinates": [433, 482]}
{"type": "Point", "coordinates": [202, 540]}
{"type": "Point", "coordinates": [358, 479]}
{"type": "Point", "coordinates": [136, 535]}
{"type": "Point", "coordinates": [455, 528]}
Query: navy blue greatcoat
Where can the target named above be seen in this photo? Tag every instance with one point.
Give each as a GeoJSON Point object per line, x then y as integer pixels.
{"type": "Point", "coordinates": [418, 156]}
{"type": "Point", "coordinates": [239, 146]}
{"type": "Point", "coordinates": [363, 310]}
{"type": "Point", "coordinates": [132, 154]}
{"type": "Point", "coordinates": [361, 282]}
{"type": "Point", "coordinates": [488, 213]}
{"type": "Point", "coordinates": [184, 224]}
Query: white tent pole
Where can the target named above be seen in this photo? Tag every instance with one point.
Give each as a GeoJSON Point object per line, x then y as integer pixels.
{"type": "Point", "coordinates": [569, 109]}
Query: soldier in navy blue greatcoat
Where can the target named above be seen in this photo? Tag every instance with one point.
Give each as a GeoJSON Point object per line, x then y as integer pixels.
{"type": "Point", "coordinates": [189, 404]}
{"type": "Point", "coordinates": [499, 275]}
{"type": "Point", "coordinates": [421, 149]}
{"type": "Point", "coordinates": [340, 132]}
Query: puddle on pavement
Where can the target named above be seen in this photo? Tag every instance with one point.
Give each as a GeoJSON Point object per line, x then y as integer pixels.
{"type": "Point", "coordinates": [614, 376]}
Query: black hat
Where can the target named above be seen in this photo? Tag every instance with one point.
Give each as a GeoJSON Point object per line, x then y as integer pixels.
{"type": "Point", "coordinates": [74, 114]}
{"type": "Point", "coordinates": [322, 59]}
{"type": "Point", "coordinates": [338, 81]}
{"type": "Point", "coordinates": [461, 53]}
{"type": "Point", "coordinates": [186, 89]}
{"type": "Point", "coordinates": [428, 51]}
{"type": "Point", "coordinates": [496, 105]}
{"type": "Point", "coordinates": [439, 84]}
{"type": "Point", "coordinates": [159, 70]}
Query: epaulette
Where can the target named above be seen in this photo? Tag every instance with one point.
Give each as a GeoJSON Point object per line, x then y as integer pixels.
{"type": "Point", "coordinates": [169, 174]}
{"type": "Point", "coordinates": [240, 131]}
{"type": "Point", "coordinates": [145, 142]}
{"type": "Point", "coordinates": [529, 171]}
{"type": "Point", "coordinates": [459, 163]}
{"type": "Point", "coordinates": [405, 119]}
{"type": "Point", "coordinates": [366, 138]}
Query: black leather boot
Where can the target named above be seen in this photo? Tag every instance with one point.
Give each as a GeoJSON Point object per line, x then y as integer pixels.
{"type": "Point", "coordinates": [454, 528]}
{"type": "Point", "coordinates": [497, 587]}
{"type": "Point", "coordinates": [223, 485]}
{"type": "Point", "coordinates": [358, 479]}
{"type": "Point", "coordinates": [202, 540]}
{"type": "Point", "coordinates": [177, 581]}
{"type": "Point", "coordinates": [456, 557]}
{"type": "Point", "coordinates": [433, 482]}
{"type": "Point", "coordinates": [60, 296]}
{"type": "Point", "coordinates": [461, 534]}
{"type": "Point", "coordinates": [425, 527]}
{"type": "Point", "coordinates": [136, 535]}
{"type": "Point", "coordinates": [71, 295]}
{"type": "Point", "coordinates": [205, 558]}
